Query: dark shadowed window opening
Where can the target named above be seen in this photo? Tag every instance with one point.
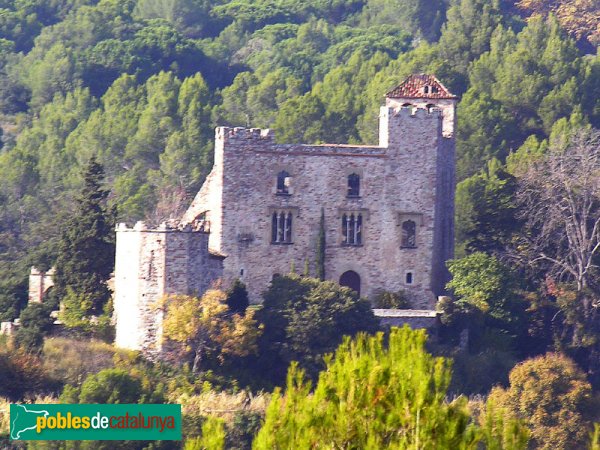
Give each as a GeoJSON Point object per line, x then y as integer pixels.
{"type": "Point", "coordinates": [409, 278]}
{"type": "Point", "coordinates": [353, 185]}
{"type": "Point", "coordinates": [283, 182]}
{"type": "Point", "coordinates": [409, 234]}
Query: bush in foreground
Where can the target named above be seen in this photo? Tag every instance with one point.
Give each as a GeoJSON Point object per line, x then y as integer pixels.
{"type": "Point", "coordinates": [373, 396]}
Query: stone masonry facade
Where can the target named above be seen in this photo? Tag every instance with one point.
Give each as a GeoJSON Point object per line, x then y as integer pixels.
{"type": "Point", "coordinates": [388, 212]}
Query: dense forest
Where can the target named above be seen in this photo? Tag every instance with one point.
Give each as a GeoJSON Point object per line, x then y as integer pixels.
{"type": "Point", "coordinates": [137, 87]}
{"type": "Point", "coordinates": [142, 84]}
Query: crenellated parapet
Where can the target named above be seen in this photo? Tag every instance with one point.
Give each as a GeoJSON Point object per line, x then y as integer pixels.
{"type": "Point", "coordinates": [241, 133]}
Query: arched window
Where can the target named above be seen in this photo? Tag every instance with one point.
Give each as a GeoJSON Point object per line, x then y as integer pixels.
{"type": "Point", "coordinates": [409, 234]}
{"type": "Point", "coordinates": [352, 229]}
{"type": "Point", "coordinates": [353, 185]}
{"type": "Point", "coordinates": [281, 227]}
{"type": "Point", "coordinates": [352, 280]}
{"type": "Point", "coordinates": [430, 106]}
{"type": "Point", "coordinates": [283, 183]}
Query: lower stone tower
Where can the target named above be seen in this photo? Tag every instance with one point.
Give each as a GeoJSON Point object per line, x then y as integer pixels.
{"type": "Point", "coordinates": [152, 263]}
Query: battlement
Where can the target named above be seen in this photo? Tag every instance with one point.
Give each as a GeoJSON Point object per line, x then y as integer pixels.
{"type": "Point", "coordinates": [415, 112]}
{"type": "Point", "coordinates": [241, 133]}
{"type": "Point", "coordinates": [170, 226]}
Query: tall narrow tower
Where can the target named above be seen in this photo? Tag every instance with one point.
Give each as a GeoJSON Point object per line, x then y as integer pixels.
{"type": "Point", "coordinates": [423, 96]}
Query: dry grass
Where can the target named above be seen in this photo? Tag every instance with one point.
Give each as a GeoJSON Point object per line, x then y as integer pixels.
{"type": "Point", "coordinates": [222, 404]}
{"type": "Point", "coordinates": [72, 360]}
{"type": "Point", "coordinates": [4, 417]}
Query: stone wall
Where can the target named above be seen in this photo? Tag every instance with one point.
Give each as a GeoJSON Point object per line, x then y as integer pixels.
{"type": "Point", "coordinates": [151, 263]}
{"type": "Point", "coordinates": [39, 283]}
{"type": "Point", "coordinates": [409, 175]}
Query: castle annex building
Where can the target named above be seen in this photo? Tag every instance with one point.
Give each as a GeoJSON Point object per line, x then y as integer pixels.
{"type": "Point", "coordinates": [388, 212]}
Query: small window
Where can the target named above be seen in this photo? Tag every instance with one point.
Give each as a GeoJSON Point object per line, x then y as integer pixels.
{"type": "Point", "coordinates": [281, 227]}
{"type": "Point", "coordinates": [426, 90]}
{"type": "Point", "coordinates": [353, 185]}
{"type": "Point", "coordinates": [409, 278]}
{"type": "Point", "coordinates": [352, 229]}
{"type": "Point", "coordinates": [409, 234]}
{"type": "Point", "coordinates": [283, 183]}
{"type": "Point", "coordinates": [430, 107]}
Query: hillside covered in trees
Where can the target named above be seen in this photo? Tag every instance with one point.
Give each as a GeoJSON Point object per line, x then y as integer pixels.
{"type": "Point", "coordinates": [107, 113]}
{"type": "Point", "coordinates": [141, 85]}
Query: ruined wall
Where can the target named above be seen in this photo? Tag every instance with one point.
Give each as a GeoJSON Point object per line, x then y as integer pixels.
{"type": "Point", "coordinates": [39, 283]}
{"type": "Point", "coordinates": [151, 263]}
{"type": "Point", "coordinates": [400, 178]}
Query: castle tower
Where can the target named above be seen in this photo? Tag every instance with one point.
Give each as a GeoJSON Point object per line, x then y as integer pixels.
{"type": "Point", "coordinates": [424, 97]}
{"type": "Point", "coordinates": [425, 92]}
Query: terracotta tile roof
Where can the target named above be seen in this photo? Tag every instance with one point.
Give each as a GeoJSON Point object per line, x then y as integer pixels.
{"type": "Point", "coordinates": [414, 87]}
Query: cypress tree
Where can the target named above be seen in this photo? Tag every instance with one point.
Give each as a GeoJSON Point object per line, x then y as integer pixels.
{"type": "Point", "coordinates": [86, 252]}
{"type": "Point", "coordinates": [321, 248]}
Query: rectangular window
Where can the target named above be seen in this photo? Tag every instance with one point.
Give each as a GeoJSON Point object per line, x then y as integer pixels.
{"type": "Point", "coordinates": [352, 229]}
{"type": "Point", "coordinates": [281, 227]}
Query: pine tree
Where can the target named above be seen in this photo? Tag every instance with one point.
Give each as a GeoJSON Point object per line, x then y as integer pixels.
{"type": "Point", "coordinates": [321, 248]}
{"type": "Point", "coordinates": [378, 396]}
{"type": "Point", "coordinates": [87, 249]}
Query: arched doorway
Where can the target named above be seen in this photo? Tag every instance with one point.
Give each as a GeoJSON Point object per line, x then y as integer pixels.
{"type": "Point", "coordinates": [351, 279]}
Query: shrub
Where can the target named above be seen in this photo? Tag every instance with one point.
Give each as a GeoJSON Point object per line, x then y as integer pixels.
{"type": "Point", "coordinates": [237, 297]}
{"type": "Point", "coordinates": [22, 374]}
{"type": "Point", "coordinates": [373, 396]}
{"type": "Point", "coordinates": [552, 396]}
{"type": "Point", "coordinates": [305, 318]}
{"type": "Point", "coordinates": [111, 386]}
{"type": "Point", "coordinates": [477, 374]}
{"type": "Point", "coordinates": [242, 431]}
{"type": "Point", "coordinates": [35, 323]}
{"type": "Point", "coordinates": [391, 300]}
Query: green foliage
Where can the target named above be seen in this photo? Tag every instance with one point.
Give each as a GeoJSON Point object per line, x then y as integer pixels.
{"type": "Point", "coordinates": [478, 373]}
{"type": "Point", "coordinates": [391, 300]}
{"type": "Point", "coordinates": [213, 435]}
{"type": "Point", "coordinates": [237, 297]}
{"type": "Point", "coordinates": [304, 318]}
{"type": "Point", "coordinates": [35, 323]}
{"type": "Point", "coordinates": [486, 210]}
{"type": "Point", "coordinates": [86, 252]}
{"type": "Point", "coordinates": [401, 402]}
{"type": "Point", "coordinates": [111, 386]}
{"type": "Point", "coordinates": [553, 398]}
{"type": "Point", "coordinates": [483, 283]}
{"type": "Point", "coordinates": [242, 430]}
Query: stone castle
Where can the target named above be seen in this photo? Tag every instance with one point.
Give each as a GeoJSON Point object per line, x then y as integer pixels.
{"type": "Point", "coordinates": [388, 211]}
